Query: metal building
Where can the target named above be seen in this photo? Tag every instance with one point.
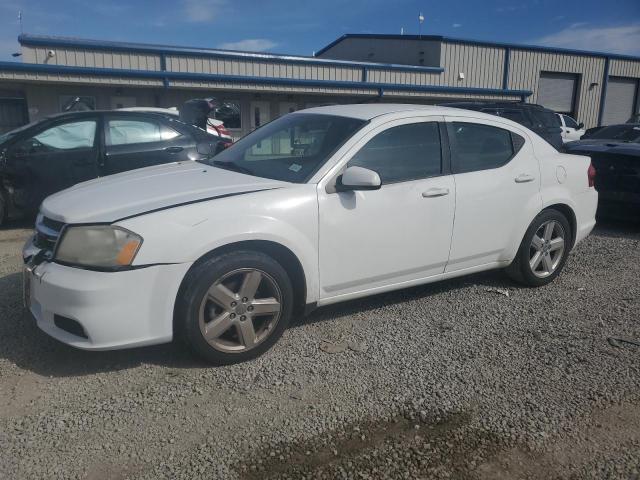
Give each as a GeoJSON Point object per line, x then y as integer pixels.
{"type": "Point", "coordinates": [593, 87]}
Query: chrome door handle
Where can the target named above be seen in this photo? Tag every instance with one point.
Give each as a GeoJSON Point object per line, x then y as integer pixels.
{"type": "Point", "coordinates": [524, 178]}
{"type": "Point", "coordinates": [435, 192]}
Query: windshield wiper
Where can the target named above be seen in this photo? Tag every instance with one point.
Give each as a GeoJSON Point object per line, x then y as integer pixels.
{"type": "Point", "coordinates": [232, 166]}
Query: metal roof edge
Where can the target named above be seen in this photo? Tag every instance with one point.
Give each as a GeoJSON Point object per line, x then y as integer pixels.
{"type": "Point", "coordinates": [49, 41]}
{"type": "Point", "coordinates": [165, 76]}
{"type": "Point", "coordinates": [515, 46]}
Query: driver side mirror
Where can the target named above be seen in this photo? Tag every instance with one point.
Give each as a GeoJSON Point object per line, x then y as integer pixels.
{"type": "Point", "coordinates": [580, 126]}
{"type": "Point", "coordinates": [358, 178]}
{"type": "Point", "coordinates": [208, 149]}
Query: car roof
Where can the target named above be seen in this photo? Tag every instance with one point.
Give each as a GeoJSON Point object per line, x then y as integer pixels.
{"type": "Point", "coordinates": [367, 111]}
{"type": "Point", "coordinates": [89, 113]}
{"type": "Point", "coordinates": [496, 104]}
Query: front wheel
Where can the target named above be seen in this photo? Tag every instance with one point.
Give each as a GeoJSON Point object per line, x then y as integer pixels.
{"type": "Point", "coordinates": [234, 307]}
{"type": "Point", "coordinates": [543, 251]}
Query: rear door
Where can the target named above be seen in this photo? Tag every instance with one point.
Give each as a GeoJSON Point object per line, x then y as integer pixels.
{"type": "Point", "coordinates": [137, 141]}
{"type": "Point", "coordinates": [55, 157]}
{"type": "Point", "coordinates": [497, 182]}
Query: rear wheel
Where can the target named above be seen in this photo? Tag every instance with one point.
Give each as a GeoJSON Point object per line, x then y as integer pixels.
{"type": "Point", "coordinates": [235, 306]}
{"type": "Point", "coordinates": [543, 251]}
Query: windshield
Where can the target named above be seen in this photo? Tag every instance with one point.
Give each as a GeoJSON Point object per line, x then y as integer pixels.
{"type": "Point", "coordinates": [291, 148]}
{"type": "Point", "coordinates": [623, 133]}
{"type": "Point", "coordinates": [6, 136]}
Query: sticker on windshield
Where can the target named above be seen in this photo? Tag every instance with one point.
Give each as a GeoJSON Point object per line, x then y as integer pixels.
{"type": "Point", "coordinates": [295, 167]}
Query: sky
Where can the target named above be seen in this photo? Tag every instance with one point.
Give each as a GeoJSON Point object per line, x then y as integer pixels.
{"type": "Point", "coordinates": [299, 27]}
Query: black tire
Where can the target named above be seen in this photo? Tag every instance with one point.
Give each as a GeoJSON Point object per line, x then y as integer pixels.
{"type": "Point", "coordinates": [520, 269]}
{"type": "Point", "coordinates": [4, 208]}
{"type": "Point", "coordinates": [205, 275]}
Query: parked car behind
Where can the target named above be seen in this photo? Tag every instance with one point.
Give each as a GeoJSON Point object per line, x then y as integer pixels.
{"type": "Point", "coordinates": [541, 120]}
{"type": "Point", "coordinates": [571, 130]}
{"type": "Point", "coordinates": [615, 153]}
{"type": "Point", "coordinates": [53, 154]}
{"type": "Point", "coordinates": [215, 127]}
{"type": "Point", "coordinates": [316, 207]}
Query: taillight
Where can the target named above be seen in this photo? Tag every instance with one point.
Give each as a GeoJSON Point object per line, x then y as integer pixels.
{"type": "Point", "coordinates": [591, 175]}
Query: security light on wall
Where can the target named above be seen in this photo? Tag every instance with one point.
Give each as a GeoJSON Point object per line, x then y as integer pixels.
{"type": "Point", "coordinates": [51, 53]}
{"type": "Point", "coordinates": [461, 76]}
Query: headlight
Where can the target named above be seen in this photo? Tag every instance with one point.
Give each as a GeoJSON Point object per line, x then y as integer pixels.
{"type": "Point", "coordinates": [98, 246]}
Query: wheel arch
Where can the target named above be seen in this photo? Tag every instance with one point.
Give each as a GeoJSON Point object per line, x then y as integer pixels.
{"type": "Point", "coordinates": [280, 253]}
{"type": "Point", "coordinates": [568, 212]}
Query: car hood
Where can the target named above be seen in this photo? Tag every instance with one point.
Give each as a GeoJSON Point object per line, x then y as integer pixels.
{"type": "Point", "coordinates": [140, 191]}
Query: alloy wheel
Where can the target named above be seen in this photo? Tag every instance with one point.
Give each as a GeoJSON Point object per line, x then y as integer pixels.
{"type": "Point", "coordinates": [240, 310]}
{"type": "Point", "coordinates": [547, 248]}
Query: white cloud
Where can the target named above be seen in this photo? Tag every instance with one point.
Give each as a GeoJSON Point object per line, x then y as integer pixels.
{"type": "Point", "coordinates": [623, 39]}
{"type": "Point", "coordinates": [456, 25]}
{"type": "Point", "coordinates": [202, 10]}
{"type": "Point", "coordinates": [249, 45]}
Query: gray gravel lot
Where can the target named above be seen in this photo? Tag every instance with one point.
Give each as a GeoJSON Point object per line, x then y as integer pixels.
{"type": "Point", "coordinates": [450, 380]}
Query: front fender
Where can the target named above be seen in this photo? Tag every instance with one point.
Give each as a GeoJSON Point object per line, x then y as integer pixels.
{"type": "Point", "coordinates": [185, 234]}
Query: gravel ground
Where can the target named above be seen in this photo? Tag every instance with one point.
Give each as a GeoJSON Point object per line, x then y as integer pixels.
{"type": "Point", "coordinates": [451, 380]}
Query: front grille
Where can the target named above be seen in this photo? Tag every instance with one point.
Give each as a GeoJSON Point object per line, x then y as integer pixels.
{"type": "Point", "coordinates": [45, 242]}
{"type": "Point", "coordinates": [47, 233]}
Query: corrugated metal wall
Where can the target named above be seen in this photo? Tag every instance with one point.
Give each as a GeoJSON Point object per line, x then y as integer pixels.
{"type": "Point", "coordinates": [624, 68]}
{"type": "Point", "coordinates": [256, 68]}
{"type": "Point", "coordinates": [526, 65]}
{"type": "Point", "coordinates": [482, 66]}
{"type": "Point", "coordinates": [83, 57]}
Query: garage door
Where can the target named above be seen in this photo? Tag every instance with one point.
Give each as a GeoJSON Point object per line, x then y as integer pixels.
{"type": "Point", "coordinates": [619, 103]}
{"type": "Point", "coordinates": [556, 91]}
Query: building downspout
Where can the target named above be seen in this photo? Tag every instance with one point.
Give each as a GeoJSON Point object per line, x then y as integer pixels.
{"type": "Point", "coordinates": [505, 69]}
{"type": "Point", "coordinates": [603, 93]}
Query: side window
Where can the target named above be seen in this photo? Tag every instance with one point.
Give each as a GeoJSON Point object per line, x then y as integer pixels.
{"type": "Point", "coordinates": [406, 152]}
{"type": "Point", "coordinates": [481, 147]}
{"type": "Point", "coordinates": [126, 132]}
{"type": "Point", "coordinates": [68, 136]}
{"type": "Point", "coordinates": [546, 119]}
{"type": "Point", "coordinates": [515, 115]}
{"type": "Point", "coordinates": [570, 122]}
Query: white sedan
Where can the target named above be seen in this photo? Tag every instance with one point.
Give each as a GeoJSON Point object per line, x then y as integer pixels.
{"type": "Point", "coordinates": [316, 207]}
{"type": "Point", "coordinates": [571, 130]}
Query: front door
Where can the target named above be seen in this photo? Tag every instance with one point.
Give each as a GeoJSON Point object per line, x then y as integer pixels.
{"type": "Point", "coordinates": [135, 142]}
{"type": "Point", "coordinates": [497, 181]}
{"type": "Point", "coordinates": [373, 240]}
{"type": "Point", "coordinates": [57, 157]}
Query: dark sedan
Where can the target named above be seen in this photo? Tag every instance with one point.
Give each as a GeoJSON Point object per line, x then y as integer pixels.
{"type": "Point", "coordinates": [50, 155]}
{"type": "Point", "coordinates": [615, 153]}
